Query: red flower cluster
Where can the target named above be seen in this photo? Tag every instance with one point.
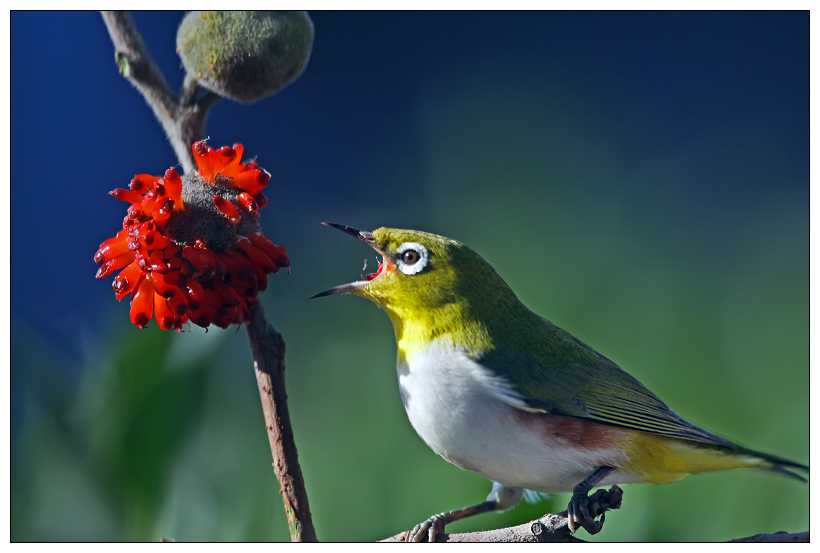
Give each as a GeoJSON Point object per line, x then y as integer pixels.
{"type": "Point", "coordinates": [190, 248]}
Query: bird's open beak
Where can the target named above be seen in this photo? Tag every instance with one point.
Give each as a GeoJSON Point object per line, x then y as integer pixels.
{"type": "Point", "coordinates": [353, 287]}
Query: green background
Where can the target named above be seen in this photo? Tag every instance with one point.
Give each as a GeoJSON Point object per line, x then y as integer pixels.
{"type": "Point", "coordinates": [680, 253]}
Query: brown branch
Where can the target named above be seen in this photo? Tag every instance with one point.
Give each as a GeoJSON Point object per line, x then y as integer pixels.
{"type": "Point", "coordinates": [269, 362]}
{"type": "Point", "coordinates": [554, 528]}
{"type": "Point", "coordinates": [551, 528]}
{"type": "Point", "coordinates": [182, 121]}
{"type": "Point", "coordinates": [777, 537]}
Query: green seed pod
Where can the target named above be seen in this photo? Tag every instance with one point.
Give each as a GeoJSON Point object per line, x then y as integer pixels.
{"type": "Point", "coordinates": [246, 55]}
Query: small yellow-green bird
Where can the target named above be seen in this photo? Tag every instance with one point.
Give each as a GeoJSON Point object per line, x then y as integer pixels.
{"type": "Point", "coordinates": [498, 390]}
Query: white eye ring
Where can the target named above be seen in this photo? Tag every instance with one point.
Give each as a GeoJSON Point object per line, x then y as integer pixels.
{"type": "Point", "coordinates": [413, 268]}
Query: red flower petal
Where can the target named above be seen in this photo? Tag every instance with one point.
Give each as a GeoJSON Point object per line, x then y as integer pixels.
{"type": "Point", "coordinates": [223, 157]}
{"type": "Point", "coordinates": [276, 253]}
{"type": "Point", "coordinates": [115, 264]}
{"type": "Point", "coordinates": [110, 250]}
{"type": "Point", "coordinates": [176, 278]}
{"type": "Point", "coordinates": [261, 199]}
{"type": "Point", "coordinates": [251, 181]}
{"type": "Point", "coordinates": [195, 291]}
{"type": "Point", "coordinates": [161, 287]}
{"type": "Point", "coordinates": [202, 156]}
{"type": "Point", "coordinates": [143, 183]}
{"type": "Point", "coordinates": [164, 212]}
{"type": "Point", "coordinates": [156, 262]}
{"type": "Point", "coordinates": [153, 240]}
{"type": "Point", "coordinates": [257, 255]}
{"type": "Point", "coordinates": [142, 304]}
{"type": "Point", "coordinates": [173, 187]}
{"type": "Point", "coordinates": [134, 213]}
{"type": "Point", "coordinates": [227, 208]}
{"type": "Point", "coordinates": [233, 167]}
{"type": "Point", "coordinates": [228, 295]}
{"type": "Point", "coordinates": [149, 202]}
{"type": "Point", "coordinates": [163, 315]}
{"type": "Point", "coordinates": [128, 279]}
{"type": "Point", "coordinates": [247, 202]}
{"type": "Point", "coordinates": [202, 260]}
{"type": "Point", "coordinates": [178, 305]}
{"type": "Point", "coordinates": [127, 195]}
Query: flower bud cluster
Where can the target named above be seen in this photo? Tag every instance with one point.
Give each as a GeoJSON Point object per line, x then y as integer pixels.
{"type": "Point", "coordinates": [191, 249]}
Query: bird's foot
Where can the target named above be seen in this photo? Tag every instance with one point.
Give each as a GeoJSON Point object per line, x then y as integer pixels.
{"type": "Point", "coordinates": [434, 525]}
{"type": "Point", "coordinates": [428, 529]}
{"type": "Point", "coordinates": [583, 509]}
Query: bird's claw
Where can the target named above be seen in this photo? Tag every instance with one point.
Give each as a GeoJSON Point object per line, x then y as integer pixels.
{"type": "Point", "coordinates": [428, 529]}
{"type": "Point", "coordinates": [583, 510]}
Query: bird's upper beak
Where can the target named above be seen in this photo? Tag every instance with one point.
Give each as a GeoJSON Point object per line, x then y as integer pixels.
{"type": "Point", "coordinates": [367, 238]}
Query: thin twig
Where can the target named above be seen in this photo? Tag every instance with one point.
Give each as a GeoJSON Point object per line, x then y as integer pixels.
{"type": "Point", "coordinates": [183, 120]}
{"type": "Point", "coordinates": [269, 362]}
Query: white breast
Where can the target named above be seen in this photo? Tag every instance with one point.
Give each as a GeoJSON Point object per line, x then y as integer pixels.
{"type": "Point", "coordinates": [468, 417]}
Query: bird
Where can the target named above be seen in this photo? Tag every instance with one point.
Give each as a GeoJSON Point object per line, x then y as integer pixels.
{"type": "Point", "coordinates": [498, 390]}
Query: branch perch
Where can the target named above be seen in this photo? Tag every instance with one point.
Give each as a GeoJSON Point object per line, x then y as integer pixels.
{"type": "Point", "coordinates": [554, 528]}
{"type": "Point", "coordinates": [551, 528]}
{"type": "Point", "coordinates": [777, 537]}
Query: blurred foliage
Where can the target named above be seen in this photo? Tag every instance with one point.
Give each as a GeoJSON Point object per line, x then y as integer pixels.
{"type": "Point", "coordinates": [693, 277]}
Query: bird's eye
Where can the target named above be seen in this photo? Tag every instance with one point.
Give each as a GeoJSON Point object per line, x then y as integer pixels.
{"type": "Point", "coordinates": [412, 258]}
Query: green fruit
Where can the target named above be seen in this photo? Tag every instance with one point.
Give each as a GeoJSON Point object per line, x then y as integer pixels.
{"type": "Point", "coordinates": [245, 55]}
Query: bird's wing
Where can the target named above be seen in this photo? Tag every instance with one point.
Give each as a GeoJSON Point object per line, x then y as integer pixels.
{"type": "Point", "coordinates": [567, 377]}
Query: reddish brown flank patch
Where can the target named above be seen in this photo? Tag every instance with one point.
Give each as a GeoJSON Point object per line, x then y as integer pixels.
{"type": "Point", "coordinates": [571, 431]}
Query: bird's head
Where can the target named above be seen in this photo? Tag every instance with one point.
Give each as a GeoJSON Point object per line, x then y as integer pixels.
{"type": "Point", "coordinates": [428, 282]}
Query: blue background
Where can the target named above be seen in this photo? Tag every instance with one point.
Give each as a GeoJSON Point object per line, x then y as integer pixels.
{"type": "Point", "coordinates": [640, 178]}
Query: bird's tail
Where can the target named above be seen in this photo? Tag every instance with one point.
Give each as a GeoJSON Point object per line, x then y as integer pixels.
{"type": "Point", "coordinates": [773, 463]}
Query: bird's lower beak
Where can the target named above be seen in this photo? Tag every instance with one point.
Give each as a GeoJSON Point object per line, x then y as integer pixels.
{"type": "Point", "coordinates": [352, 287]}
